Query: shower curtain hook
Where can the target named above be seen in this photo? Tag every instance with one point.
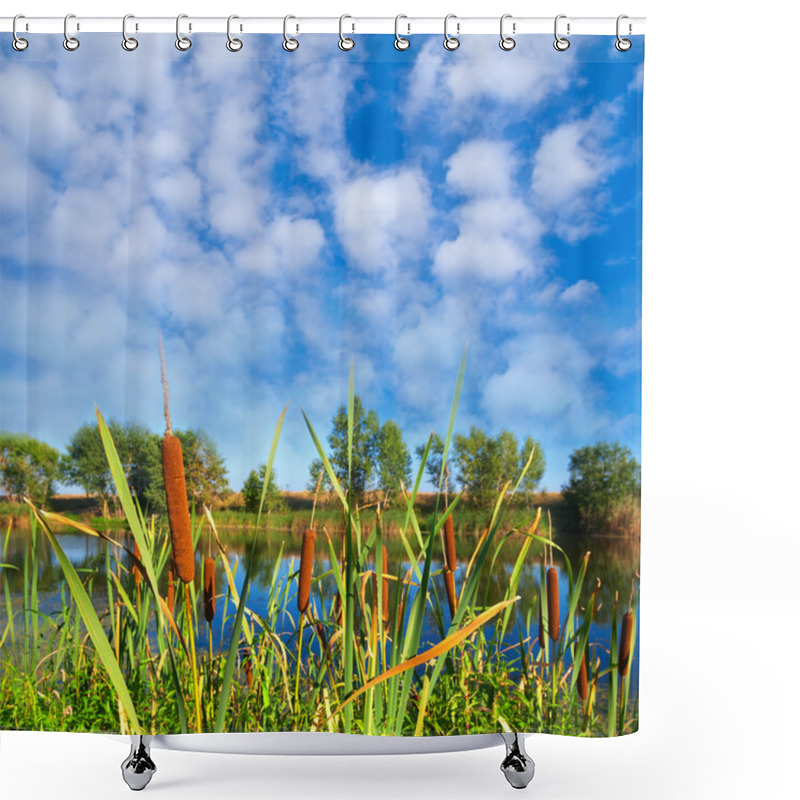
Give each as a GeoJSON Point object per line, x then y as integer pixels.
{"type": "Point", "coordinates": [450, 42]}
{"type": "Point", "coordinates": [70, 42]}
{"type": "Point", "coordinates": [128, 42]}
{"type": "Point", "coordinates": [400, 42]}
{"type": "Point", "coordinates": [181, 42]}
{"type": "Point", "coordinates": [289, 44]}
{"type": "Point", "coordinates": [234, 45]}
{"type": "Point", "coordinates": [345, 42]}
{"type": "Point", "coordinates": [19, 43]}
{"type": "Point", "coordinates": [506, 42]}
{"type": "Point", "coordinates": [623, 45]}
{"type": "Point", "coordinates": [561, 43]}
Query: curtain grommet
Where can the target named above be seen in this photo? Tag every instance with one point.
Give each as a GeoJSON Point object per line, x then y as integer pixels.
{"type": "Point", "coordinates": [183, 43]}
{"type": "Point", "coordinates": [507, 43]}
{"type": "Point", "coordinates": [561, 43]}
{"type": "Point", "coordinates": [70, 43]}
{"type": "Point", "coordinates": [289, 44]}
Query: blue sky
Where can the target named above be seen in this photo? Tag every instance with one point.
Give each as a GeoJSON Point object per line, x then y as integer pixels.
{"type": "Point", "coordinates": [277, 214]}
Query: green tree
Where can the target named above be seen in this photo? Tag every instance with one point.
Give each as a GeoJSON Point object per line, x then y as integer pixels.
{"type": "Point", "coordinates": [394, 460]}
{"type": "Point", "coordinates": [85, 463]}
{"type": "Point", "coordinates": [484, 464]}
{"type": "Point", "coordinates": [604, 488]}
{"type": "Point", "coordinates": [206, 473]}
{"type": "Point", "coordinates": [28, 467]}
{"type": "Point", "coordinates": [254, 486]}
{"type": "Point", "coordinates": [366, 435]}
{"type": "Point", "coordinates": [533, 477]}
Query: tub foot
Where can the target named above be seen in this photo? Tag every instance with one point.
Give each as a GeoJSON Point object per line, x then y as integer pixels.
{"type": "Point", "coordinates": [138, 768]}
{"type": "Point", "coordinates": [517, 766]}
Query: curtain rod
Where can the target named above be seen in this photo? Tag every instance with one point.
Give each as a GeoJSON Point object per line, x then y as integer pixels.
{"type": "Point", "coordinates": [407, 25]}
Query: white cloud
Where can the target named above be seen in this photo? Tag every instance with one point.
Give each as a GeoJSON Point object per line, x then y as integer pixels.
{"type": "Point", "coordinates": [570, 168]}
{"type": "Point", "coordinates": [547, 382]}
{"type": "Point", "coordinates": [497, 232]}
{"type": "Point", "coordinates": [382, 219]}
{"type": "Point", "coordinates": [582, 291]}
{"type": "Point", "coordinates": [637, 83]}
{"type": "Point", "coordinates": [441, 81]}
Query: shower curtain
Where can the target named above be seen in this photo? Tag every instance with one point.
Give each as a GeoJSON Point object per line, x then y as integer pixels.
{"type": "Point", "coordinates": [320, 384]}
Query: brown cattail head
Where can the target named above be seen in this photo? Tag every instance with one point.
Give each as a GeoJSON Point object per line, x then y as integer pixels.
{"type": "Point", "coordinates": [450, 558]}
{"type": "Point", "coordinates": [337, 613]}
{"type": "Point", "coordinates": [583, 680]}
{"type": "Point", "coordinates": [137, 576]}
{"type": "Point", "coordinates": [171, 591]}
{"type": "Point", "coordinates": [306, 568]}
{"type": "Point", "coordinates": [209, 589]}
{"type": "Point", "coordinates": [180, 523]}
{"type": "Point", "coordinates": [248, 667]}
{"type": "Point", "coordinates": [625, 636]}
{"type": "Point", "coordinates": [385, 588]}
{"type": "Point", "coordinates": [553, 624]}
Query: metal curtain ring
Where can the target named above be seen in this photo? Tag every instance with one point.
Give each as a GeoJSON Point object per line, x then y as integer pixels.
{"type": "Point", "coordinates": [345, 42]}
{"type": "Point", "coordinates": [623, 45]}
{"type": "Point", "coordinates": [128, 42]}
{"type": "Point", "coordinates": [19, 43]}
{"type": "Point", "coordinates": [181, 42]}
{"type": "Point", "coordinates": [561, 43]}
{"type": "Point", "coordinates": [234, 45]}
{"type": "Point", "coordinates": [289, 44]}
{"type": "Point", "coordinates": [400, 42]}
{"type": "Point", "coordinates": [506, 42]}
{"type": "Point", "coordinates": [70, 42]}
{"type": "Point", "coordinates": [450, 42]}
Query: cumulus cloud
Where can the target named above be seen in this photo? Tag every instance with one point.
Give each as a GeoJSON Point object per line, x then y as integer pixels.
{"type": "Point", "coordinates": [570, 169]}
{"type": "Point", "coordinates": [481, 83]}
{"type": "Point", "coordinates": [582, 291]}
{"type": "Point", "coordinates": [382, 219]}
{"type": "Point", "coordinates": [497, 232]}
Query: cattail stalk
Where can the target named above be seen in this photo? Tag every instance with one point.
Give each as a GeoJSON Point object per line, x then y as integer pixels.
{"type": "Point", "coordinates": [451, 563]}
{"type": "Point", "coordinates": [553, 624]}
{"type": "Point", "coordinates": [248, 668]}
{"type": "Point", "coordinates": [209, 589]}
{"type": "Point", "coordinates": [306, 568]}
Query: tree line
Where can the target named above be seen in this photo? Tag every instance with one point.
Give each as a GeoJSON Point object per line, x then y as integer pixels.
{"type": "Point", "coordinates": [30, 468]}
{"type": "Point", "coordinates": [380, 460]}
{"type": "Point", "coordinates": [603, 487]}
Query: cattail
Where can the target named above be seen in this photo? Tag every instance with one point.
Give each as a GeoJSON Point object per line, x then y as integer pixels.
{"type": "Point", "coordinates": [306, 567]}
{"type": "Point", "coordinates": [625, 636]}
{"type": "Point", "coordinates": [209, 589]}
{"type": "Point", "coordinates": [248, 669]}
{"type": "Point", "coordinates": [322, 637]}
{"type": "Point", "coordinates": [137, 576]}
{"type": "Point", "coordinates": [583, 680]}
{"type": "Point", "coordinates": [337, 613]}
{"type": "Point", "coordinates": [180, 524]}
{"type": "Point", "coordinates": [170, 591]}
{"type": "Point", "coordinates": [450, 558]}
{"type": "Point", "coordinates": [552, 603]}
{"type": "Point", "coordinates": [385, 609]}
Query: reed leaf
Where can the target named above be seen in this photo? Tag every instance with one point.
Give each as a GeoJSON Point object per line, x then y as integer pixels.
{"type": "Point", "coordinates": [93, 627]}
